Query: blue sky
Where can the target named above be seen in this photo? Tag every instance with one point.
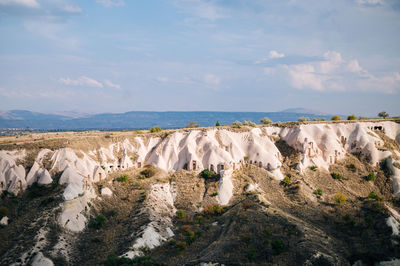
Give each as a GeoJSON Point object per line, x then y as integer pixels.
{"type": "Point", "coordinates": [339, 56]}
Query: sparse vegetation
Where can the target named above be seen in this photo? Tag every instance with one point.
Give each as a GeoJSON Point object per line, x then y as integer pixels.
{"type": "Point", "coordinates": [383, 114]}
{"type": "Point", "coordinates": [336, 118]}
{"type": "Point", "coordinates": [286, 181]}
{"type": "Point", "coordinates": [340, 198]}
{"type": "Point", "coordinates": [148, 172]}
{"type": "Point", "coordinates": [352, 117]}
{"type": "Point", "coordinates": [237, 124]}
{"type": "Point", "coordinates": [337, 176]}
{"type": "Point", "coordinates": [213, 210]}
{"type": "Point", "coordinates": [318, 192]}
{"type": "Point", "coordinates": [155, 129]}
{"type": "Point", "coordinates": [373, 195]}
{"type": "Point", "coordinates": [123, 178]}
{"type": "Point", "coordinates": [97, 222]}
{"type": "Point", "coordinates": [181, 246]}
{"type": "Point", "coordinates": [214, 194]}
{"type": "Point", "coordinates": [180, 214]}
{"type": "Point", "coordinates": [278, 246]}
{"type": "Point", "coordinates": [370, 177]}
{"type": "Point", "coordinates": [303, 119]}
{"type": "Point", "coordinates": [266, 121]}
{"type": "Point", "coordinates": [314, 168]}
{"type": "Point", "coordinates": [192, 125]}
{"type": "Point", "coordinates": [249, 123]}
{"type": "Point", "coordinates": [352, 166]}
{"type": "Point", "coordinates": [3, 211]}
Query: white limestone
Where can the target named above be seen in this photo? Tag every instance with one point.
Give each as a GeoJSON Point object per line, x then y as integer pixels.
{"type": "Point", "coordinates": [4, 221]}
{"type": "Point", "coordinates": [41, 260]}
{"type": "Point", "coordinates": [106, 192]}
{"type": "Point", "coordinates": [394, 224]}
{"type": "Point", "coordinates": [225, 187]}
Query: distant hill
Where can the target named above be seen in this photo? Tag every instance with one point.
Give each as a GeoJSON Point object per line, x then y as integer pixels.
{"type": "Point", "coordinates": [139, 119]}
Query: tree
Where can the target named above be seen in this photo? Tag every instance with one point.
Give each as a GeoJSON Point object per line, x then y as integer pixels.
{"type": "Point", "coordinates": [383, 114]}
{"type": "Point", "coordinates": [266, 121]}
{"type": "Point", "coordinates": [303, 119]}
{"type": "Point", "coordinates": [236, 124]}
{"type": "Point", "coordinates": [352, 117]}
{"type": "Point", "coordinates": [155, 129]}
{"type": "Point", "coordinates": [217, 124]}
{"type": "Point", "coordinates": [335, 118]}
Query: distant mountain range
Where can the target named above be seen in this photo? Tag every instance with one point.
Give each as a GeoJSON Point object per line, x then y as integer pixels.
{"type": "Point", "coordinates": [141, 119]}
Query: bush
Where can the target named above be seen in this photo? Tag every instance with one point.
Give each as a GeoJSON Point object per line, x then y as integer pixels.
{"type": "Point", "coordinates": [352, 117]}
{"type": "Point", "coordinates": [180, 214]}
{"type": "Point", "coordinates": [340, 198]}
{"type": "Point", "coordinates": [3, 211]}
{"type": "Point", "coordinates": [314, 168]}
{"type": "Point", "coordinates": [207, 174]}
{"type": "Point", "coordinates": [265, 121]}
{"type": "Point", "coordinates": [374, 196]}
{"type": "Point", "coordinates": [303, 119]}
{"type": "Point", "coordinates": [213, 210]}
{"type": "Point", "coordinates": [278, 246]}
{"type": "Point", "coordinates": [155, 129]}
{"type": "Point", "coordinates": [352, 166]}
{"type": "Point", "coordinates": [123, 178]}
{"type": "Point", "coordinates": [286, 180]}
{"type": "Point", "coordinates": [148, 172]}
{"type": "Point", "coordinates": [370, 177]}
{"type": "Point", "coordinates": [337, 176]}
{"type": "Point", "coordinates": [214, 194]}
{"type": "Point", "coordinates": [217, 124]}
{"type": "Point", "coordinates": [113, 260]}
{"type": "Point", "coordinates": [192, 125]}
{"type": "Point", "coordinates": [97, 222]}
{"type": "Point", "coordinates": [180, 246]}
{"type": "Point", "coordinates": [318, 192]}
{"type": "Point", "coordinates": [236, 124]}
{"type": "Point", "coordinates": [249, 123]}
{"type": "Point", "coordinates": [336, 118]}
{"type": "Point", "coordinates": [250, 254]}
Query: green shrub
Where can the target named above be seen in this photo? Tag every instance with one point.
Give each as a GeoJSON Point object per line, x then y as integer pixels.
{"type": "Point", "coordinates": [314, 168]}
{"type": "Point", "coordinates": [322, 119]}
{"type": "Point", "coordinates": [352, 117]}
{"type": "Point", "coordinates": [336, 118]}
{"type": "Point", "coordinates": [214, 194]}
{"type": "Point", "coordinates": [180, 214]}
{"type": "Point", "coordinates": [266, 121]}
{"type": "Point", "coordinates": [217, 124]}
{"type": "Point", "coordinates": [278, 246]}
{"type": "Point", "coordinates": [180, 246]}
{"type": "Point", "coordinates": [303, 119]}
{"type": "Point", "coordinates": [374, 196]}
{"type": "Point", "coordinates": [249, 123]}
{"type": "Point", "coordinates": [250, 254]}
{"type": "Point", "coordinates": [318, 192]}
{"type": "Point", "coordinates": [123, 178]}
{"type": "Point", "coordinates": [370, 177]}
{"type": "Point", "coordinates": [286, 180]}
{"type": "Point", "coordinates": [213, 210]}
{"type": "Point", "coordinates": [3, 211]}
{"type": "Point", "coordinates": [97, 222]}
{"type": "Point", "coordinates": [148, 172]}
{"type": "Point", "coordinates": [337, 176]}
{"type": "Point", "coordinates": [192, 125]}
{"type": "Point", "coordinates": [236, 124]}
{"type": "Point", "coordinates": [352, 166]}
{"type": "Point", "coordinates": [207, 174]}
{"type": "Point", "coordinates": [113, 260]}
{"type": "Point", "coordinates": [155, 129]}
{"type": "Point", "coordinates": [340, 198]}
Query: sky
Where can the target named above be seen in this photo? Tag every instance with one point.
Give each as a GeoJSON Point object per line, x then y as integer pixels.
{"type": "Point", "coordinates": [98, 56]}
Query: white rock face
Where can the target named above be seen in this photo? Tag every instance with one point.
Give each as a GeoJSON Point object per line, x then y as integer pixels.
{"type": "Point", "coordinates": [45, 178]}
{"type": "Point", "coordinates": [4, 220]}
{"type": "Point", "coordinates": [106, 192]}
{"type": "Point", "coordinates": [160, 207]}
{"type": "Point", "coordinates": [395, 175]}
{"type": "Point", "coordinates": [41, 260]}
{"type": "Point", "coordinates": [394, 224]}
{"type": "Point", "coordinates": [225, 187]}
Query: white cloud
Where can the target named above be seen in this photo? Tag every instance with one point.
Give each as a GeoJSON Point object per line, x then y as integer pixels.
{"type": "Point", "coordinates": [206, 10]}
{"type": "Point", "coordinates": [162, 79]}
{"type": "Point", "coordinates": [334, 73]}
{"type": "Point", "coordinates": [81, 81]}
{"type": "Point", "coordinates": [111, 3]}
{"type": "Point", "coordinates": [25, 3]}
{"type": "Point", "coordinates": [370, 2]}
{"type": "Point", "coordinates": [211, 79]}
{"type": "Point", "coordinates": [108, 83]}
{"type": "Point", "coordinates": [72, 9]}
{"type": "Point", "coordinates": [274, 54]}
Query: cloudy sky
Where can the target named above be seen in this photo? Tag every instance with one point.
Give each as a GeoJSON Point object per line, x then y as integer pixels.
{"type": "Point", "coordinates": [339, 56]}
